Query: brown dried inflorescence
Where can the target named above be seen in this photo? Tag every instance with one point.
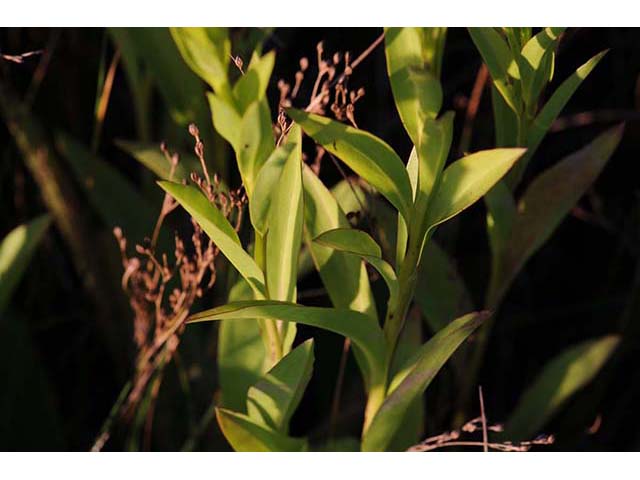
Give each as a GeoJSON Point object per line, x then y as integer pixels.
{"type": "Point", "coordinates": [162, 291]}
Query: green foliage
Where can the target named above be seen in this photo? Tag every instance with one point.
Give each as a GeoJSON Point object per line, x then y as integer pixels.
{"type": "Point", "coordinates": [294, 218]}
{"type": "Point", "coordinates": [16, 250]}
{"type": "Point", "coordinates": [560, 379]}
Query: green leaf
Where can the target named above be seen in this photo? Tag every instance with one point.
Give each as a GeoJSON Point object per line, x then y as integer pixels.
{"type": "Point", "coordinates": [226, 120]}
{"type": "Point", "coordinates": [16, 250]}
{"type": "Point", "coordinates": [501, 213]}
{"type": "Point", "coordinates": [536, 63]}
{"type": "Point", "coordinates": [468, 179]}
{"type": "Point", "coordinates": [433, 148]}
{"type": "Point", "coordinates": [496, 54]}
{"type": "Point", "coordinates": [242, 356]}
{"type": "Point", "coordinates": [252, 86]}
{"type": "Point", "coordinates": [344, 276]}
{"type": "Point", "coordinates": [245, 435]}
{"type": "Point", "coordinates": [207, 51]}
{"type": "Point", "coordinates": [414, 378]}
{"type": "Point", "coordinates": [411, 429]}
{"type": "Point", "coordinates": [284, 239]}
{"type": "Point", "coordinates": [152, 158]}
{"type": "Point", "coordinates": [543, 121]}
{"type": "Point", "coordinates": [505, 121]}
{"type": "Point", "coordinates": [560, 379]}
{"type": "Point", "coordinates": [363, 330]}
{"type": "Point", "coordinates": [359, 243]}
{"type": "Point", "coordinates": [274, 398]}
{"type": "Point", "coordinates": [416, 89]}
{"type": "Point", "coordinates": [285, 226]}
{"type": "Point", "coordinates": [550, 197]}
{"type": "Point", "coordinates": [558, 101]}
{"type": "Point", "coordinates": [441, 292]}
{"type": "Point", "coordinates": [219, 230]}
{"type": "Point", "coordinates": [367, 155]}
{"type": "Point", "coordinates": [255, 143]}
{"type": "Point", "coordinates": [266, 184]}
{"type": "Point", "coordinates": [110, 194]}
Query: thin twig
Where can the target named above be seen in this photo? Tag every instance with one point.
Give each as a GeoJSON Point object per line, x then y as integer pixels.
{"type": "Point", "coordinates": [485, 436]}
{"type": "Point", "coordinates": [101, 108]}
{"type": "Point", "coordinates": [337, 393]}
{"type": "Point", "coordinates": [472, 108]}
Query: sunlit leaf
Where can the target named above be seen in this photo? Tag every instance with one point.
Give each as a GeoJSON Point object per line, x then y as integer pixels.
{"type": "Point", "coordinates": [16, 250]}
{"type": "Point", "coordinates": [496, 54]}
{"type": "Point", "coordinates": [363, 330]}
{"type": "Point", "coordinates": [416, 89]}
{"type": "Point", "coordinates": [218, 228]}
{"type": "Point", "coordinates": [274, 398]}
{"type": "Point", "coordinates": [359, 243]}
{"type": "Point", "coordinates": [245, 435]}
{"type": "Point", "coordinates": [367, 155]}
{"type": "Point", "coordinates": [252, 86]}
{"type": "Point", "coordinates": [207, 51]}
{"type": "Point", "coordinates": [414, 377]}
{"type": "Point", "coordinates": [266, 184]}
{"type": "Point", "coordinates": [255, 143]}
{"type": "Point", "coordinates": [468, 179]}
{"type": "Point", "coordinates": [560, 379]}
{"type": "Point", "coordinates": [344, 276]}
{"type": "Point", "coordinates": [242, 357]}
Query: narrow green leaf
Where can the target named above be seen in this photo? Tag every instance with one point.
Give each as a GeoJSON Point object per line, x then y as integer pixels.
{"type": "Point", "coordinates": [468, 179]}
{"type": "Point", "coordinates": [274, 398]}
{"type": "Point", "coordinates": [218, 228]}
{"type": "Point", "coordinates": [543, 121]}
{"type": "Point", "coordinates": [344, 276]}
{"type": "Point", "coordinates": [558, 101]}
{"type": "Point", "coordinates": [433, 147]}
{"type": "Point", "coordinates": [363, 330]}
{"type": "Point", "coordinates": [414, 377]}
{"type": "Point", "coordinates": [207, 51]}
{"type": "Point", "coordinates": [245, 435]}
{"type": "Point", "coordinates": [367, 155]}
{"type": "Point", "coordinates": [505, 121]}
{"type": "Point", "coordinates": [242, 356]}
{"type": "Point", "coordinates": [496, 54]}
{"type": "Point", "coordinates": [551, 196]}
{"type": "Point", "coordinates": [411, 429]}
{"type": "Point", "coordinates": [284, 239]}
{"type": "Point", "coordinates": [536, 62]}
{"type": "Point", "coordinates": [152, 158]}
{"type": "Point", "coordinates": [560, 379]}
{"type": "Point", "coordinates": [441, 292]}
{"type": "Point", "coordinates": [16, 250]}
{"type": "Point", "coordinates": [266, 184]}
{"type": "Point", "coordinates": [416, 89]}
{"type": "Point", "coordinates": [285, 226]}
{"type": "Point", "coordinates": [501, 213]}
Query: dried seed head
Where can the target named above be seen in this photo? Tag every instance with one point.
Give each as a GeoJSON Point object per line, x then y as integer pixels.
{"type": "Point", "coordinates": [193, 130]}
{"type": "Point", "coordinates": [304, 63]}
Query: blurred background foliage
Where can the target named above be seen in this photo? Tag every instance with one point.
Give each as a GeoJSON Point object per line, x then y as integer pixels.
{"type": "Point", "coordinates": [73, 115]}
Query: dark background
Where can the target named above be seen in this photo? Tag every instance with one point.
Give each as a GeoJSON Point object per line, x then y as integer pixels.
{"type": "Point", "coordinates": [59, 375]}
